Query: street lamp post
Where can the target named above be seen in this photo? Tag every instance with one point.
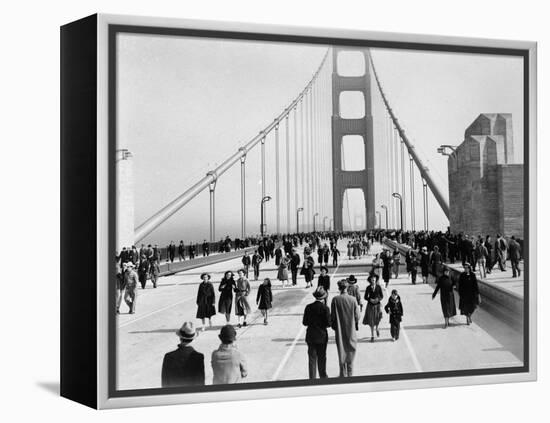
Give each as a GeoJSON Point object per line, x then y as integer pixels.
{"type": "Point", "coordinates": [300, 209]}
{"type": "Point", "coordinates": [398, 196]}
{"type": "Point", "coordinates": [314, 216]}
{"type": "Point", "coordinates": [379, 219]}
{"type": "Point", "coordinates": [264, 200]}
{"type": "Point", "coordinates": [385, 208]}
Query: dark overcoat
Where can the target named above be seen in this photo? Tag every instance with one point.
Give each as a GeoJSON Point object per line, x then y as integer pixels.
{"type": "Point", "coordinates": [446, 295]}
{"type": "Point", "coordinates": [468, 292]}
{"type": "Point", "coordinates": [226, 288]}
{"type": "Point", "coordinates": [183, 367]}
{"type": "Point", "coordinates": [317, 319]}
{"type": "Point", "coordinates": [206, 299]}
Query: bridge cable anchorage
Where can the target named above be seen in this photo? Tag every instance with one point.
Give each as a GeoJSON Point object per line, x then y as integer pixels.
{"type": "Point", "coordinates": [437, 193]}
{"type": "Point", "coordinates": [151, 223]}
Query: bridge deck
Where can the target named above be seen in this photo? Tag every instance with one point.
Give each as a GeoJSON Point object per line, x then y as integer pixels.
{"type": "Point", "coordinates": [278, 351]}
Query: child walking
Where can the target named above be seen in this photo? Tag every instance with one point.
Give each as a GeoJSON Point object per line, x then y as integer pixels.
{"type": "Point", "coordinates": [264, 298]}
{"type": "Point", "coordinates": [394, 308]}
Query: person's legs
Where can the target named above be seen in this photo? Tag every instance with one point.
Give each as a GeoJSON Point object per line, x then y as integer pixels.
{"type": "Point", "coordinates": [119, 296]}
{"type": "Point", "coordinates": [312, 363]}
{"type": "Point", "coordinates": [228, 317]}
{"type": "Point", "coordinates": [322, 359]}
{"type": "Point", "coordinates": [397, 329]}
{"type": "Point", "coordinates": [350, 356]}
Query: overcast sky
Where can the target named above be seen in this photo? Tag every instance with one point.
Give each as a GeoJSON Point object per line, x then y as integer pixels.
{"type": "Point", "coordinates": [186, 104]}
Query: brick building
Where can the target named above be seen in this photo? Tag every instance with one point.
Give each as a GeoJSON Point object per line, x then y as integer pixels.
{"type": "Point", "coordinates": [485, 182]}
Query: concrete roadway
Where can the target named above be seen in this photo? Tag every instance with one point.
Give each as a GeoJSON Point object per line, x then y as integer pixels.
{"type": "Point", "coordinates": [278, 351]}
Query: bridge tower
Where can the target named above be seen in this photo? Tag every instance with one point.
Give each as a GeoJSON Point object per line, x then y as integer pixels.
{"type": "Point", "coordinates": [341, 127]}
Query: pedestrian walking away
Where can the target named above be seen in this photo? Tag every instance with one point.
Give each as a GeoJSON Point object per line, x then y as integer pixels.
{"type": "Point", "coordinates": [344, 318]}
{"type": "Point", "coordinates": [394, 308]}
{"type": "Point", "coordinates": [206, 298]}
{"type": "Point", "coordinates": [228, 363]}
{"type": "Point", "coordinates": [184, 366]}
{"type": "Point", "coordinates": [264, 298]}
{"type": "Point", "coordinates": [317, 320]}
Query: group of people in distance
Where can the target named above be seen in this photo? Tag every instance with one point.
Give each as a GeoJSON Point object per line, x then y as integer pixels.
{"type": "Point", "coordinates": [423, 252]}
{"type": "Point", "coordinates": [230, 288]}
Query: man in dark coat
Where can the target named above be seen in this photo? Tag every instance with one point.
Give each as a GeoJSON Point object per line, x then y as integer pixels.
{"type": "Point", "coordinates": [184, 366]}
{"type": "Point", "coordinates": [317, 319]}
{"type": "Point", "coordinates": [181, 251]}
{"type": "Point", "coordinates": [294, 264]}
{"type": "Point", "coordinates": [171, 251]}
{"type": "Point", "coordinates": [246, 263]}
{"type": "Point", "coordinates": [515, 254]}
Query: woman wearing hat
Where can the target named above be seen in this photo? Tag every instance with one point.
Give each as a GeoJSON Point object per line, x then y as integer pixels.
{"type": "Point", "coordinates": [446, 294]}
{"type": "Point", "coordinates": [324, 281]}
{"type": "Point", "coordinates": [386, 266]}
{"type": "Point", "coordinates": [226, 288]}
{"type": "Point", "coordinates": [206, 298]}
{"type": "Point", "coordinates": [264, 298]}
{"type": "Point", "coordinates": [374, 296]}
{"type": "Point", "coordinates": [353, 290]}
{"type": "Point", "coordinates": [282, 273]}
{"type": "Point", "coordinates": [242, 289]}
{"type": "Point", "coordinates": [307, 269]}
{"type": "Point", "coordinates": [468, 292]}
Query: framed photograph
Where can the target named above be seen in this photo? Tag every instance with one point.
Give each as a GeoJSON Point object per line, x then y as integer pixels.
{"type": "Point", "coordinates": [254, 211]}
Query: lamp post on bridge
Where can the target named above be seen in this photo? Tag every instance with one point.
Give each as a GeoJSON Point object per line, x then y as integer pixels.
{"type": "Point", "coordinates": [212, 189]}
{"type": "Point", "coordinates": [385, 208]}
{"type": "Point", "coordinates": [314, 216]}
{"type": "Point", "coordinates": [400, 198]}
{"type": "Point", "coordinates": [264, 200]}
{"type": "Point", "coordinates": [300, 209]}
{"type": "Point", "coordinates": [379, 219]}
{"type": "Point", "coordinates": [324, 226]}
{"type": "Point", "coordinates": [442, 149]}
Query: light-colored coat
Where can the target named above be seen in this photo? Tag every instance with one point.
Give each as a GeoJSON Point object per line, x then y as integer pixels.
{"type": "Point", "coordinates": [345, 320]}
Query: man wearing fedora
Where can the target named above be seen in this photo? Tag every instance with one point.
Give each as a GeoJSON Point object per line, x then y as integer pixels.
{"type": "Point", "coordinates": [317, 319]}
{"type": "Point", "coordinates": [130, 282]}
{"type": "Point", "coordinates": [344, 319]}
{"type": "Point", "coordinates": [228, 363]}
{"type": "Point", "coordinates": [184, 366]}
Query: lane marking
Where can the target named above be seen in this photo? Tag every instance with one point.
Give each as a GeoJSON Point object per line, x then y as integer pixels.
{"type": "Point", "coordinates": [411, 350]}
{"type": "Point", "coordinates": [153, 312]}
{"type": "Point", "coordinates": [283, 362]}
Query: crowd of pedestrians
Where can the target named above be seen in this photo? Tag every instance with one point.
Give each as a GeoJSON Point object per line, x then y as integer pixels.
{"type": "Point", "coordinates": [427, 253]}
